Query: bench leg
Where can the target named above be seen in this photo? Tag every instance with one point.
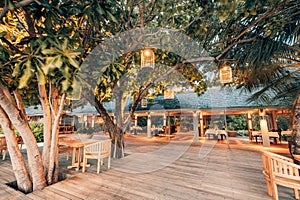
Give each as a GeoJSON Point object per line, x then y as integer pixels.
{"type": "Point", "coordinates": [296, 193]}
{"type": "Point", "coordinates": [275, 191]}
{"type": "Point", "coordinates": [269, 187]}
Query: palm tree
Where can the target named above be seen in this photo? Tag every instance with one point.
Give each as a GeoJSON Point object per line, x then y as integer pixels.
{"type": "Point", "coordinates": [271, 68]}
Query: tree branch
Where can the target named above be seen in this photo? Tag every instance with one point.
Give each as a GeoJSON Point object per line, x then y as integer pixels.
{"type": "Point", "coordinates": [30, 24]}
{"type": "Point", "coordinates": [11, 45]}
{"type": "Point", "coordinates": [16, 5]}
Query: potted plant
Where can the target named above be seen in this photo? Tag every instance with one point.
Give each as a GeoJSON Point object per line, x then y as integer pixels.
{"type": "Point", "coordinates": [230, 130]}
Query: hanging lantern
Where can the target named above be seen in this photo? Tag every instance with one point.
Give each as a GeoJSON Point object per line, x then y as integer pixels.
{"type": "Point", "coordinates": [225, 74]}
{"type": "Point", "coordinates": [168, 93]}
{"type": "Point", "coordinates": [144, 103]}
{"type": "Point", "coordinates": [147, 59]}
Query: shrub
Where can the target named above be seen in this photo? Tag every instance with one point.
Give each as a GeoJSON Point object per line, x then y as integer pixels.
{"type": "Point", "coordinates": [37, 129]}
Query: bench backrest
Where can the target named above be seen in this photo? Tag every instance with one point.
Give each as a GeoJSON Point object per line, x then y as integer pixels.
{"type": "Point", "coordinates": [266, 156]}
{"type": "Point", "coordinates": [270, 154]}
{"type": "Point", "coordinates": [284, 169]}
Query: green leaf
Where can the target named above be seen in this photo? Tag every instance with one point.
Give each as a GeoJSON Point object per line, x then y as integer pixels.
{"type": "Point", "coordinates": [100, 10]}
{"type": "Point", "coordinates": [11, 6]}
{"type": "Point", "coordinates": [18, 70]}
{"type": "Point", "coordinates": [41, 76]}
{"type": "Point", "coordinates": [52, 63]}
{"type": "Point", "coordinates": [2, 34]}
{"type": "Point", "coordinates": [28, 73]}
{"type": "Point", "coordinates": [65, 85]}
{"type": "Point", "coordinates": [73, 62]}
{"type": "Point", "coordinates": [49, 51]}
{"type": "Point", "coordinates": [65, 44]}
{"type": "Point", "coordinates": [76, 90]}
{"type": "Point", "coordinates": [112, 17]}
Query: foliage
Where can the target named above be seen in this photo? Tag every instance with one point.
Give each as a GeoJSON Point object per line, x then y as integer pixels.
{"type": "Point", "coordinates": [283, 122]}
{"type": "Point", "coordinates": [37, 129]}
{"type": "Point", "coordinates": [236, 122]}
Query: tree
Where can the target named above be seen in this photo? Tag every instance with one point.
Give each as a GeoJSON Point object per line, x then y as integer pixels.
{"type": "Point", "coordinates": [41, 44]}
{"type": "Point", "coordinates": [235, 38]}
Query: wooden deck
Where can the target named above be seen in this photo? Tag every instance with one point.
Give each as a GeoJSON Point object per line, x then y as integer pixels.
{"type": "Point", "coordinates": [204, 170]}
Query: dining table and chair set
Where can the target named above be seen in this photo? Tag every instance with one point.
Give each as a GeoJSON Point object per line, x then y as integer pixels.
{"type": "Point", "coordinates": [83, 149]}
{"type": "Point", "coordinates": [216, 134]}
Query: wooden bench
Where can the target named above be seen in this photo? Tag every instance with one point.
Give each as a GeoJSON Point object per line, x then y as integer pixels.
{"type": "Point", "coordinates": [280, 170]}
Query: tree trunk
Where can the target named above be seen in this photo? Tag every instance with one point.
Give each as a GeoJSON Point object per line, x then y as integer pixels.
{"type": "Point", "coordinates": [296, 127]}
{"type": "Point", "coordinates": [47, 127]}
{"type": "Point", "coordinates": [53, 161]}
{"type": "Point", "coordinates": [17, 117]}
{"type": "Point", "coordinates": [18, 164]}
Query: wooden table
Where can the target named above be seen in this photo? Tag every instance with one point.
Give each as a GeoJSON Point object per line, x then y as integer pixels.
{"type": "Point", "coordinates": [272, 135]}
{"type": "Point", "coordinates": [216, 133]}
{"type": "Point", "coordinates": [77, 144]}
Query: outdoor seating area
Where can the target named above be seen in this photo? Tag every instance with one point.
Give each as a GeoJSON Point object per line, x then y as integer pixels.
{"type": "Point", "coordinates": [151, 100]}
{"type": "Point", "coordinates": [83, 149]}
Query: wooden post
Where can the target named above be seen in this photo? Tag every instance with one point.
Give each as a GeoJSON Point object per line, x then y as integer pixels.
{"type": "Point", "coordinates": [201, 124]}
{"type": "Point", "coordinates": [274, 122]}
{"type": "Point", "coordinates": [165, 120]}
{"type": "Point", "coordinates": [135, 120]}
{"type": "Point", "coordinates": [149, 125]}
{"type": "Point", "coordinates": [195, 124]}
{"type": "Point", "coordinates": [93, 121]}
{"type": "Point", "coordinates": [264, 128]}
{"type": "Point", "coordinates": [250, 125]}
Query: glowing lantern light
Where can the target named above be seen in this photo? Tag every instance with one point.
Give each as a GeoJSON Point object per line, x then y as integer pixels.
{"type": "Point", "coordinates": [147, 59]}
{"type": "Point", "coordinates": [168, 93]}
{"type": "Point", "coordinates": [225, 74]}
{"type": "Point", "coordinates": [144, 103]}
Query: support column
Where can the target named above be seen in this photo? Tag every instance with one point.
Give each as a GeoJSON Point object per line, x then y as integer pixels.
{"type": "Point", "coordinates": [250, 125]}
{"type": "Point", "coordinates": [135, 120]}
{"type": "Point", "coordinates": [264, 128]}
{"type": "Point", "coordinates": [169, 126]}
{"type": "Point", "coordinates": [274, 121]}
{"type": "Point", "coordinates": [85, 118]}
{"type": "Point", "coordinates": [201, 124]}
{"type": "Point", "coordinates": [165, 120]}
{"type": "Point", "coordinates": [195, 124]}
{"type": "Point", "coordinates": [93, 121]}
{"type": "Point", "coordinates": [149, 126]}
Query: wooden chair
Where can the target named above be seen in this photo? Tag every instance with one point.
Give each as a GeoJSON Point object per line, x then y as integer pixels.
{"type": "Point", "coordinates": [3, 147]}
{"type": "Point", "coordinates": [98, 151]}
{"type": "Point", "coordinates": [280, 170]}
